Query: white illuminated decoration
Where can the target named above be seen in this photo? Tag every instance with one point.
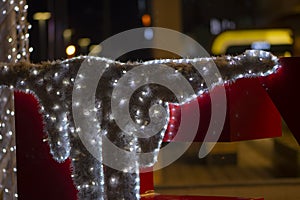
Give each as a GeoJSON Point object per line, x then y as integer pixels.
{"type": "Point", "coordinates": [14, 34]}
{"type": "Point", "coordinates": [13, 48]}
{"type": "Point", "coordinates": [8, 176]}
{"type": "Point", "coordinates": [52, 84]}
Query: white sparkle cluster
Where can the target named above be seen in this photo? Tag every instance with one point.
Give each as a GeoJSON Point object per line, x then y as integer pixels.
{"type": "Point", "coordinates": [13, 15]}
{"type": "Point", "coordinates": [8, 168]}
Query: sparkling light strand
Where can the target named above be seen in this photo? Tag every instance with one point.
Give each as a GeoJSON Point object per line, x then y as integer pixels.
{"type": "Point", "coordinates": [16, 36]}
{"type": "Point", "coordinates": [8, 179]}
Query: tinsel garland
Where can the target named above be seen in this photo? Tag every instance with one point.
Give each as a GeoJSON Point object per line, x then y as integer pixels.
{"type": "Point", "coordinates": [14, 28]}
{"type": "Point", "coordinates": [8, 166]}
{"type": "Point", "coordinates": [53, 82]}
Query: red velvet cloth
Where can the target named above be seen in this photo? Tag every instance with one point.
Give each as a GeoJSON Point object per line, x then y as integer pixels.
{"type": "Point", "coordinates": [250, 114]}
{"type": "Point", "coordinates": [282, 88]}
{"type": "Point", "coordinates": [39, 176]}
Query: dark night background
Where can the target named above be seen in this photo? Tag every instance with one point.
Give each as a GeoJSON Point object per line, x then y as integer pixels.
{"type": "Point", "coordinates": [99, 19]}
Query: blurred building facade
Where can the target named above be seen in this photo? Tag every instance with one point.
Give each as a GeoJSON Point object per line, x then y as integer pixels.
{"type": "Point", "coordinates": [95, 20]}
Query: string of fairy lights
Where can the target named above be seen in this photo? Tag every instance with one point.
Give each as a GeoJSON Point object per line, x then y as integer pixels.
{"type": "Point", "coordinates": [14, 38]}
{"type": "Point", "coordinates": [14, 14]}
{"type": "Point", "coordinates": [8, 168]}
